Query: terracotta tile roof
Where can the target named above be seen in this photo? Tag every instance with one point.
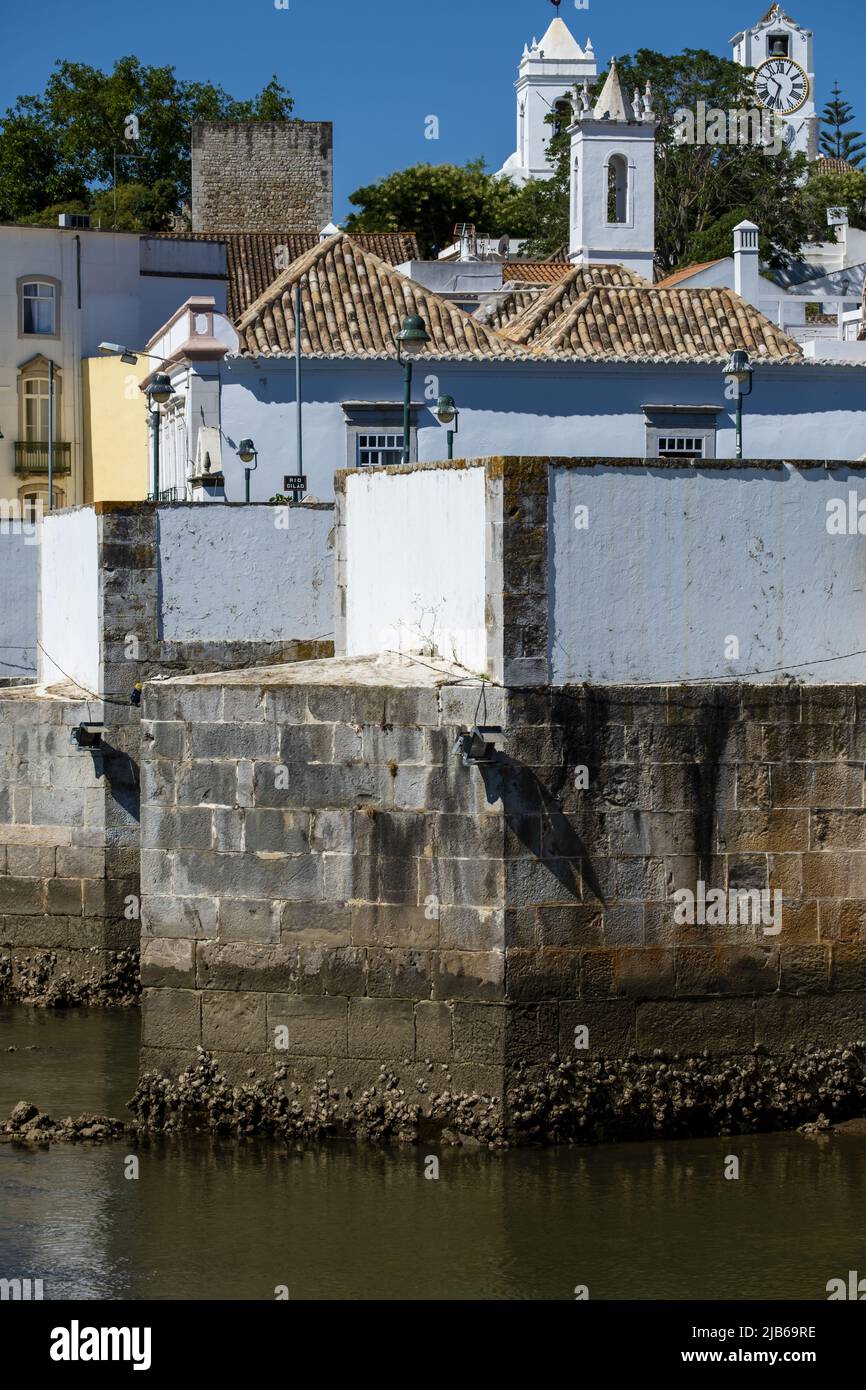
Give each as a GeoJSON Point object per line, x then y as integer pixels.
{"type": "Point", "coordinates": [545, 309]}
{"type": "Point", "coordinates": [256, 259]}
{"type": "Point", "coordinates": [353, 305]}
{"type": "Point", "coordinates": [534, 272]}
{"type": "Point", "coordinates": [648, 324]}
{"type": "Point", "coordinates": [686, 272]}
{"type": "Point", "coordinates": [825, 165]}
{"type": "Point", "coordinates": [503, 309]}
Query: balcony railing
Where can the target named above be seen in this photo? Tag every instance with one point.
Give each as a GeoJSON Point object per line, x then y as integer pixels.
{"type": "Point", "coordinates": [32, 457]}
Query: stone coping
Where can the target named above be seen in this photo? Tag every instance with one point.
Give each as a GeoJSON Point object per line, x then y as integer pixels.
{"type": "Point", "coordinates": [408, 672]}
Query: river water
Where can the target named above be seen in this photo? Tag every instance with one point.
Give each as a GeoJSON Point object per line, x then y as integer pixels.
{"type": "Point", "coordinates": [221, 1220]}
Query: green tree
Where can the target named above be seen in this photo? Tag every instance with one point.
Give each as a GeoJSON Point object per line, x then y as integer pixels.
{"type": "Point", "coordinates": [90, 129]}
{"type": "Point", "coordinates": [835, 142]}
{"type": "Point", "coordinates": [431, 199]}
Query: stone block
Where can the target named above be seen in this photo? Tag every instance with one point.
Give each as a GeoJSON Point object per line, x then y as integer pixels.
{"type": "Point", "coordinates": [207, 784]}
{"type": "Point", "coordinates": [241, 965]}
{"type": "Point", "coordinates": [383, 1029]}
{"type": "Point", "coordinates": [316, 1027]}
{"type": "Point", "coordinates": [324, 923]}
{"type": "Point", "coordinates": [168, 964]}
{"type": "Point", "coordinates": [479, 1032]}
{"type": "Point", "coordinates": [472, 928]}
{"type": "Point", "coordinates": [806, 969]}
{"type": "Point", "coordinates": [325, 969]}
{"type": "Point", "coordinates": [550, 972]}
{"type": "Point", "coordinates": [377, 924]}
{"type": "Point", "coordinates": [171, 1018]}
{"type": "Point", "coordinates": [674, 1027]}
{"type": "Point", "coordinates": [726, 970]}
{"type": "Point", "coordinates": [234, 1022]}
{"type": "Point", "coordinates": [170, 916]}
{"type": "Point", "coordinates": [433, 1031]}
{"type": "Point", "coordinates": [786, 1022]}
{"type": "Point", "coordinates": [249, 919]}
{"type": "Point", "coordinates": [31, 861]}
{"type": "Point", "coordinates": [22, 896]}
{"type": "Point", "coordinates": [476, 975]}
{"type": "Point", "coordinates": [610, 1028]}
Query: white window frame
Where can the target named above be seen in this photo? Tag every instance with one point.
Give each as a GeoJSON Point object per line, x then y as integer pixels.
{"type": "Point", "coordinates": [41, 282]}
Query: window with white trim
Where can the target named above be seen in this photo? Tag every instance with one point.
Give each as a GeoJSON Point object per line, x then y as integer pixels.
{"type": "Point", "coordinates": [39, 308]}
{"type": "Point", "coordinates": [688, 445]}
{"type": "Point", "coordinates": [379, 449]}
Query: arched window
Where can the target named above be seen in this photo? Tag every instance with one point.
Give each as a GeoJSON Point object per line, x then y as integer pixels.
{"type": "Point", "coordinates": [563, 115]}
{"type": "Point", "coordinates": [38, 306]}
{"type": "Point", "coordinates": [617, 189]}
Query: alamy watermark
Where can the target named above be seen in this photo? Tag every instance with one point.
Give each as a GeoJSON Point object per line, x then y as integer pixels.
{"type": "Point", "coordinates": [715, 907]}
{"type": "Point", "coordinates": [710, 125]}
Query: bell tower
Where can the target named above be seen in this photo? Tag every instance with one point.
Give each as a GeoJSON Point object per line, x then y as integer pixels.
{"type": "Point", "coordinates": [782, 53]}
{"type": "Point", "coordinates": [613, 178]}
{"type": "Point", "coordinates": [548, 74]}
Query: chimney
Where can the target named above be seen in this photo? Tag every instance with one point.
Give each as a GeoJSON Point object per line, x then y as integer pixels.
{"type": "Point", "coordinates": [747, 281]}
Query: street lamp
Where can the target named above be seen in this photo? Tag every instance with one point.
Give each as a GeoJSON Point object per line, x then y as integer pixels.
{"type": "Point", "coordinates": [446, 411]}
{"type": "Point", "coordinates": [158, 392]}
{"type": "Point", "coordinates": [247, 452]}
{"type": "Point", "coordinates": [411, 340]}
{"type": "Point", "coordinates": [739, 369]}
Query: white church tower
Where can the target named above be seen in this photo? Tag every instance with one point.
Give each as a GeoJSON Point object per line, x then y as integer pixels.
{"type": "Point", "coordinates": [549, 72]}
{"type": "Point", "coordinates": [782, 54]}
{"type": "Point", "coordinates": [613, 179]}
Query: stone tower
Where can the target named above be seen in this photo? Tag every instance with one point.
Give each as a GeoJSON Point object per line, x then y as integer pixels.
{"type": "Point", "coordinates": [262, 176]}
{"type": "Point", "coordinates": [613, 179]}
{"type": "Point", "coordinates": [549, 72]}
{"type": "Point", "coordinates": [787, 84]}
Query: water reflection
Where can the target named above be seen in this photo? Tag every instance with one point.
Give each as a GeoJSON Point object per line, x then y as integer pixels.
{"type": "Point", "coordinates": [222, 1220]}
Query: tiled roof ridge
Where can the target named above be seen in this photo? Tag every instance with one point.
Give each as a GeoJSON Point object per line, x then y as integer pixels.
{"type": "Point", "coordinates": [453, 332]}
{"type": "Point", "coordinates": [534, 319]}
{"type": "Point", "coordinates": [673, 332]}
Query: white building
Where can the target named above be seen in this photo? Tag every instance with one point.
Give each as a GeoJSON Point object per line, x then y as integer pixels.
{"type": "Point", "coordinates": [781, 51]}
{"type": "Point", "coordinates": [600, 364]}
{"type": "Point", "coordinates": [62, 292]}
{"type": "Point", "coordinates": [549, 72]}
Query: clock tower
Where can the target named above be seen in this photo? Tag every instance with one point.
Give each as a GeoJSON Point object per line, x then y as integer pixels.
{"type": "Point", "coordinates": [780, 51]}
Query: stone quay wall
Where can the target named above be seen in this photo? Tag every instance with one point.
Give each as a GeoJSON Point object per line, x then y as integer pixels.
{"type": "Point", "coordinates": [317, 860]}
{"type": "Point", "coordinates": [262, 176]}
{"type": "Point", "coordinates": [70, 817]}
{"type": "Point", "coordinates": [65, 872]}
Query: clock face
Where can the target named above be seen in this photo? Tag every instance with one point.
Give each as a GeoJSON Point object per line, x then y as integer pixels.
{"type": "Point", "coordinates": [781, 85]}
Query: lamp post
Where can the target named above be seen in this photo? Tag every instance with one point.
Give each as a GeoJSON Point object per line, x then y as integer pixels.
{"type": "Point", "coordinates": [158, 392]}
{"type": "Point", "coordinates": [247, 452]}
{"type": "Point", "coordinates": [411, 340]}
{"type": "Point", "coordinates": [447, 413]}
{"type": "Point", "coordinates": [739, 369]}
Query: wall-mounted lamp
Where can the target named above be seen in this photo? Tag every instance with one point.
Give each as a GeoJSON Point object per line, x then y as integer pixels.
{"type": "Point", "coordinates": [88, 735]}
{"type": "Point", "coordinates": [248, 455]}
{"type": "Point", "coordinates": [473, 748]}
{"type": "Point", "coordinates": [446, 413]}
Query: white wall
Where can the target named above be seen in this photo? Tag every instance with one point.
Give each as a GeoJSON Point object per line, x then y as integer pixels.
{"type": "Point", "coordinates": [19, 542]}
{"type": "Point", "coordinates": [69, 599]}
{"type": "Point", "coordinates": [415, 563]}
{"type": "Point", "coordinates": [676, 561]}
{"type": "Point", "coordinates": [556, 409]}
{"type": "Point", "coordinates": [246, 573]}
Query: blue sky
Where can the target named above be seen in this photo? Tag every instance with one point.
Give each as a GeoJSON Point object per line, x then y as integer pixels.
{"type": "Point", "coordinates": [378, 69]}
